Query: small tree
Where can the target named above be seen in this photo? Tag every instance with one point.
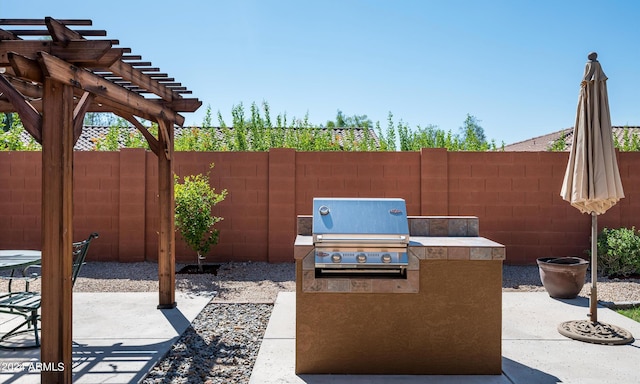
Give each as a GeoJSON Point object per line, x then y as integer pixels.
{"type": "Point", "coordinates": [194, 199]}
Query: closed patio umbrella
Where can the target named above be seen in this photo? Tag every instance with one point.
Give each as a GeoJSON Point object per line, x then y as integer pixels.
{"type": "Point", "coordinates": [592, 184]}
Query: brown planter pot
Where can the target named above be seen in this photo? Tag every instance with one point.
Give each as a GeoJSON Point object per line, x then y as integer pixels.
{"type": "Point", "coordinates": [562, 277]}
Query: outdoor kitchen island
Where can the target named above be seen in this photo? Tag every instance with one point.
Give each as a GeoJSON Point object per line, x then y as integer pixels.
{"type": "Point", "coordinates": [441, 314]}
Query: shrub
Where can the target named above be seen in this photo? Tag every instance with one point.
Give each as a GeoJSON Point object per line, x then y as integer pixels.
{"type": "Point", "coordinates": [619, 252]}
{"type": "Point", "coordinates": [194, 199]}
{"type": "Point", "coordinates": [13, 136]}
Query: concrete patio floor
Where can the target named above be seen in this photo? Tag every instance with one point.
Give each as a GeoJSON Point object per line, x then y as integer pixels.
{"type": "Point", "coordinates": [117, 337]}
{"type": "Point", "coordinates": [113, 343]}
{"type": "Point", "coordinates": [533, 352]}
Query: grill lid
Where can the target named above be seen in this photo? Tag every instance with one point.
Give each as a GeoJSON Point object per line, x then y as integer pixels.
{"type": "Point", "coordinates": [360, 235]}
{"type": "Point", "coordinates": [375, 219]}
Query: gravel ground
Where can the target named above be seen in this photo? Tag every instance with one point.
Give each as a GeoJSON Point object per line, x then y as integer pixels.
{"type": "Point", "coordinates": [223, 341]}
{"type": "Point", "coordinates": [261, 282]}
{"type": "Point", "coordinates": [221, 346]}
{"type": "Point", "coordinates": [527, 279]}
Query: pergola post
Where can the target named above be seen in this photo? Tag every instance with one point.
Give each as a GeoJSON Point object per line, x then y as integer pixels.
{"type": "Point", "coordinates": [57, 231]}
{"type": "Point", "coordinates": [166, 241]}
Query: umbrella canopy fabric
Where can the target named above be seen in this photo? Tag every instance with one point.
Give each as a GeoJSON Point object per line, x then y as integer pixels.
{"type": "Point", "coordinates": [592, 179]}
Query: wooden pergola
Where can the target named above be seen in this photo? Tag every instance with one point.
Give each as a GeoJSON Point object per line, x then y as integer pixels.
{"type": "Point", "coordinates": [51, 75]}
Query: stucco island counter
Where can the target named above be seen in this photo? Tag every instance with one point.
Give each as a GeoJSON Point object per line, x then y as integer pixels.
{"type": "Point", "coordinates": [445, 317]}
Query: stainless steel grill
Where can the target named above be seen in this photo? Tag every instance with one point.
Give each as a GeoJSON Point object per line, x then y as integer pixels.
{"type": "Point", "coordinates": [360, 236]}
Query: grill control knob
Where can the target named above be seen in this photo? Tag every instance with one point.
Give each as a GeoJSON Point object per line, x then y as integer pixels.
{"type": "Point", "coordinates": [386, 258]}
{"type": "Point", "coordinates": [336, 258]}
{"type": "Point", "coordinates": [361, 258]}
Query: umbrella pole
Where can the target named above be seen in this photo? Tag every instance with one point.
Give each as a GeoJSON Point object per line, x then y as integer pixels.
{"type": "Point", "coordinates": [594, 268]}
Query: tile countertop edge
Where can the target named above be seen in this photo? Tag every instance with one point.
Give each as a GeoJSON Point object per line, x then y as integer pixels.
{"type": "Point", "coordinates": [302, 246]}
{"type": "Point", "coordinates": [437, 241]}
{"type": "Point", "coordinates": [424, 241]}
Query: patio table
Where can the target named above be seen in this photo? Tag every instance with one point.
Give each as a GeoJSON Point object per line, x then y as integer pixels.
{"type": "Point", "coordinates": [19, 259]}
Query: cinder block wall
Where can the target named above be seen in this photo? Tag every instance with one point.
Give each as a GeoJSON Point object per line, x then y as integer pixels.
{"type": "Point", "coordinates": [516, 196]}
{"type": "Point", "coordinates": [357, 174]}
{"type": "Point", "coordinates": [20, 199]}
{"type": "Point", "coordinates": [244, 231]}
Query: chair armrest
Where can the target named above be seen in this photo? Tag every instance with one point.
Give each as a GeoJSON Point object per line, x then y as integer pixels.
{"type": "Point", "coordinates": [33, 276]}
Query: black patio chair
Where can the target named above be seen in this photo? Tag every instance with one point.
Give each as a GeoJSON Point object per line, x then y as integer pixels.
{"type": "Point", "coordinates": [27, 303]}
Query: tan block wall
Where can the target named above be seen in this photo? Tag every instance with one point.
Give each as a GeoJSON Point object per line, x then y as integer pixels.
{"type": "Point", "coordinates": [515, 195]}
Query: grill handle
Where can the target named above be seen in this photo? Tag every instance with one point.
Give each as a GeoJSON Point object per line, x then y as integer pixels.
{"type": "Point", "coordinates": [363, 239]}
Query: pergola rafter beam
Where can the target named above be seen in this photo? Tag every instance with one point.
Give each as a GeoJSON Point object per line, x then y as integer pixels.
{"type": "Point", "coordinates": [69, 74]}
{"type": "Point", "coordinates": [39, 32]}
{"type": "Point", "coordinates": [70, 45]}
{"type": "Point", "coordinates": [8, 35]}
{"type": "Point", "coordinates": [127, 72]}
{"type": "Point", "coordinates": [89, 53]}
{"type": "Point", "coordinates": [182, 105]}
{"type": "Point", "coordinates": [98, 104]}
{"type": "Point", "coordinates": [59, 32]}
{"type": "Point", "coordinates": [31, 88]}
{"type": "Point", "coordinates": [21, 22]}
{"type": "Point", "coordinates": [141, 63]}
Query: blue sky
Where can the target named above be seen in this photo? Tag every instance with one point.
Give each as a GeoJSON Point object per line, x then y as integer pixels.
{"type": "Point", "coordinates": [514, 65]}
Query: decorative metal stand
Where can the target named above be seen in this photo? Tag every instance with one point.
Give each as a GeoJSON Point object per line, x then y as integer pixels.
{"type": "Point", "coordinates": [595, 332]}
